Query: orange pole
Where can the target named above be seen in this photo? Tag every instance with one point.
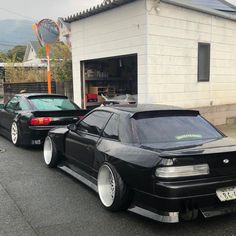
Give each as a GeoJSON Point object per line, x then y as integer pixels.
{"type": "Point", "coordinates": [48, 68]}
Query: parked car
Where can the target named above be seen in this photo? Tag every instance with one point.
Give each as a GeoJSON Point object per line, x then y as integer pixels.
{"type": "Point", "coordinates": [26, 118]}
{"type": "Point", "coordinates": [125, 99]}
{"type": "Point", "coordinates": [162, 162]}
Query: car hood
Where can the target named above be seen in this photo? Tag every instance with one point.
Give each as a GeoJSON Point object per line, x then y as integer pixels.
{"type": "Point", "coordinates": [200, 147]}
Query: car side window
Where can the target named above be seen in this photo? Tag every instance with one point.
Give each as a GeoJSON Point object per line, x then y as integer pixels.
{"type": "Point", "coordinates": [23, 105]}
{"type": "Point", "coordinates": [94, 122]}
{"type": "Point", "coordinates": [12, 103]}
{"type": "Point", "coordinates": [111, 130]}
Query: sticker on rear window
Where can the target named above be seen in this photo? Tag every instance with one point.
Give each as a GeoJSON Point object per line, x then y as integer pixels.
{"type": "Point", "coordinates": [188, 136]}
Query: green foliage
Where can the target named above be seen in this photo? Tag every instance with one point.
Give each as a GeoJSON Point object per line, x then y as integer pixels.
{"type": "Point", "coordinates": [16, 54]}
{"type": "Point", "coordinates": [62, 70]}
{"type": "Point", "coordinates": [3, 57]}
{"type": "Point", "coordinates": [15, 72]}
{"type": "Point", "coordinates": [13, 55]}
{"type": "Point", "coordinates": [61, 62]}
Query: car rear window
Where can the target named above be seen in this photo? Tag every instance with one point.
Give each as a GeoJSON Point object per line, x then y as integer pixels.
{"type": "Point", "coordinates": [180, 128]}
{"type": "Point", "coordinates": [52, 103]}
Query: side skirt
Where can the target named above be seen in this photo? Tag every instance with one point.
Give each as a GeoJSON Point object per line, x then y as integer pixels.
{"type": "Point", "coordinates": [167, 217]}
{"type": "Point", "coordinates": [79, 177]}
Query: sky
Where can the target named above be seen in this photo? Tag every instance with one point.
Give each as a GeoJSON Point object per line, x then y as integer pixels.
{"type": "Point", "coordinates": [38, 9]}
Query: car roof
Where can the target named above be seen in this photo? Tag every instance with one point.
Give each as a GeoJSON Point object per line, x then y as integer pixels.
{"type": "Point", "coordinates": [140, 108]}
{"type": "Point", "coordinates": [28, 95]}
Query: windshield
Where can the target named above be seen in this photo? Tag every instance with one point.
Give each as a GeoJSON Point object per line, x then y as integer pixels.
{"type": "Point", "coordinates": [52, 103]}
{"type": "Point", "coordinates": [173, 129]}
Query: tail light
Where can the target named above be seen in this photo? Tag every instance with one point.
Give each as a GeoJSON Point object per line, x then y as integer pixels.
{"type": "Point", "coordinates": [41, 121]}
{"type": "Point", "coordinates": [182, 171]}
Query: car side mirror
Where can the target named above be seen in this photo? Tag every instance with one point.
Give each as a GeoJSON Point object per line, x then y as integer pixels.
{"type": "Point", "coordinates": [2, 106]}
{"type": "Point", "coordinates": [72, 127]}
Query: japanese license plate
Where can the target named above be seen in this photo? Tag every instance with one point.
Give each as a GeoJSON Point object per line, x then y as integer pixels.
{"type": "Point", "coordinates": [226, 194]}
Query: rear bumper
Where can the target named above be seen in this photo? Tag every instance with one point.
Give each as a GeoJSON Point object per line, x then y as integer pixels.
{"type": "Point", "coordinates": [35, 135]}
{"type": "Point", "coordinates": [179, 196]}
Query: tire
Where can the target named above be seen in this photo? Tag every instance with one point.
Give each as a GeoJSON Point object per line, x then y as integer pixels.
{"type": "Point", "coordinates": [15, 134]}
{"type": "Point", "coordinates": [50, 153]}
{"type": "Point", "coordinates": [113, 192]}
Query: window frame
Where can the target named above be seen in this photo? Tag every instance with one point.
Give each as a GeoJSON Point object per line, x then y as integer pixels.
{"type": "Point", "coordinates": [23, 100]}
{"type": "Point", "coordinates": [199, 77]}
{"type": "Point", "coordinates": [102, 129]}
{"type": "Point", "coordinates": [113, 139]}
{"type": "Point", "coordinates": [13, 108]}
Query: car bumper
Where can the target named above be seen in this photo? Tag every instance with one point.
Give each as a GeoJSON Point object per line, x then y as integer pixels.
{"type": "Point", "coordinates": [176, 197]}
{"type": "Point", "coordinates": [35, 135]}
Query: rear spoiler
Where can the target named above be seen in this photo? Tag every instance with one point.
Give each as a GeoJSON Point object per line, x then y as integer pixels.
{"type": "Point", "coordinates": [61, 113]}
{"type": "Point", "coordinates": [156, 113]}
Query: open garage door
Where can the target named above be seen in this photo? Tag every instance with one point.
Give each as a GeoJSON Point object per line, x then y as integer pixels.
{"type": "Point", "coordinates": [109, 79]}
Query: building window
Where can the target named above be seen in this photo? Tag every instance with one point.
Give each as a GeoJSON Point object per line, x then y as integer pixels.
{"type": "Point", "coordinates": [203, 61]}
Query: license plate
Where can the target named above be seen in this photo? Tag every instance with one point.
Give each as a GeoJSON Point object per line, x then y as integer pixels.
{"type": "Point", "coordinates": [226, 194]}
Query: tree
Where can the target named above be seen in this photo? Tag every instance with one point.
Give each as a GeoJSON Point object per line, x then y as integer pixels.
{"type": "Point", "coordinates": [3, 57]}
{"type": "Point", "coordinates": [17, 53]}
{"type": "Point", "coordinates": [61, 62]}
{"type": "Point", "coordinates": [15, 71]}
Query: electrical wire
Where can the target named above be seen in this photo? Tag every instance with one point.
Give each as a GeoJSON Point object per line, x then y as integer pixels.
{"type": "Point", "coordinates": [6, 44]}
{"type": "Point", "coordinates": [22, 16]}
{"type": "Point", "coordinates": [18, 14]}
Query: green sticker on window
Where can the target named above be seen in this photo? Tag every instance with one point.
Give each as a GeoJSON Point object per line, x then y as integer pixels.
{"type": "Point", "coordinates": [188, 136]}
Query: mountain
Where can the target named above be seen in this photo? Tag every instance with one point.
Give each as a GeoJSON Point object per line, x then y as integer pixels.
{"type": "Point", "coordinates": [15, 32]}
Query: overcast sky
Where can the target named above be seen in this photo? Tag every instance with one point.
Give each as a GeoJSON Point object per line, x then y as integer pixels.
{"type": "Point", "coordinates": [39, 9]}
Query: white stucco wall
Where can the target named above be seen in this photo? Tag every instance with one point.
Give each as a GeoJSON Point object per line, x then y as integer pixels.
{"type": "Point", "coordinates": [167, 46]}
{"type": "Point", "coordinates": [173, 36]}
{"type": "Point", "coordinates": [120, 31]}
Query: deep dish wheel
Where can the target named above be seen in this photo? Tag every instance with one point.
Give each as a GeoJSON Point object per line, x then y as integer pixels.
{"type": "Point", "coordinates": [113, 192]}
{"type": "Point", "coordinates": [15, 134]}
{"type": "Point", "coordinates": [50, 153]}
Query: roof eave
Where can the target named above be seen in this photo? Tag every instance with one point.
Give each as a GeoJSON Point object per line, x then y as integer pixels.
{"type": "Point", "coordinates": [201, 9]}
{"type": "Point", "coordinates": [116, 3]}
{"type": "Point", "coordinates": [96, 10]}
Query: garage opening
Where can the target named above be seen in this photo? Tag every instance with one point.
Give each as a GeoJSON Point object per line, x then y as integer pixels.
{"type": "Point", "coordinates": [109, 80]}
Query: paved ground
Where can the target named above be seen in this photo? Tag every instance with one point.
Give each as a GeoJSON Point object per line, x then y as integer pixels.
{"type": "Point", "coordinates": [35, 200]}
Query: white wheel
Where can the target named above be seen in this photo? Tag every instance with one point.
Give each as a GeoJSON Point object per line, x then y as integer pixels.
{"type": "Point", "coordinates": [50, 154]}
{"type": "Point", "coordinates": [14, 133]}
{"type": "Point", "coordinates": [47, 150]}
{"type": "Point", "coordinates": [106, 186]}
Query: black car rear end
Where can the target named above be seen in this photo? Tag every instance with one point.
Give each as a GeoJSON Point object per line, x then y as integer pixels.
{"type": "Point", "coordinates": [197, 170]}
{"type": "Point", "coordinates": [42, 121]}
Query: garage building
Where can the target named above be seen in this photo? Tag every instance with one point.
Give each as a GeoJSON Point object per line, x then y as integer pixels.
{"type": "Point", "coordinates": [174, 52]}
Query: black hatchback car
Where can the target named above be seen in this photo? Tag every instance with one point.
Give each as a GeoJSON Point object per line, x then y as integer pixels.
{"type": "Point", "coordinates": [159, 161]}
{"type": "Point", "coordinates": [26, 118]}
